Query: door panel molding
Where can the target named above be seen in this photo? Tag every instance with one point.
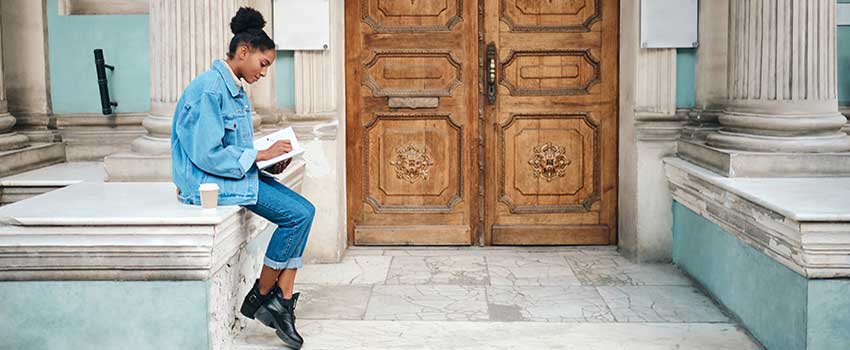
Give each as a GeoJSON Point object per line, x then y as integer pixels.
{"type": "Point", "coordinates": [579, 17]}
{"type": "Point", "coordinates": [394, 163]}
{"type": "Point", "coordinates": [393, 16]}
{"type": "Point", "coordinates": [582, 205]}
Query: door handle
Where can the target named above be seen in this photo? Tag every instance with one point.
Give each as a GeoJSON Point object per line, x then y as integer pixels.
{"type": "Point", "coordinates": [491, 73]}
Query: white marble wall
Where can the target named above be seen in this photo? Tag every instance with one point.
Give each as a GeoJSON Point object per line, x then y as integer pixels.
{"type": "Point", "coordinates": [319, 120]}
{"type": "Point", "coordinates": [649, 126]}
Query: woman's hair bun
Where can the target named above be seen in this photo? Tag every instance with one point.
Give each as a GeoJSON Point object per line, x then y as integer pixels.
{"type": "Point", "coordinates": [247, 19]}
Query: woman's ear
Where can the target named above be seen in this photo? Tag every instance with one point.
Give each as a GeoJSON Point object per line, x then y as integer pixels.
{"type": "Point", "coordinates": [242, 51]}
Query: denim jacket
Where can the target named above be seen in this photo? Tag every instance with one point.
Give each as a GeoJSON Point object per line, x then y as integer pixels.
{"type": "Point", "coordinates": [212, 140]}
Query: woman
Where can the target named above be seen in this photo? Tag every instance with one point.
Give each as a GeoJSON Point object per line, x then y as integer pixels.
{"type": "Point", "coordinates": [212, 142]}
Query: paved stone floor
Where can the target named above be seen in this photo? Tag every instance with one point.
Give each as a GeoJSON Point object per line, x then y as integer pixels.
{"type": "Point", "coordinates": [501, 298]}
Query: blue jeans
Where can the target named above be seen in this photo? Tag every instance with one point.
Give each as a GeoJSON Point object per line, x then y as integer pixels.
{"type": "Point", "coordinates": [293, 215]}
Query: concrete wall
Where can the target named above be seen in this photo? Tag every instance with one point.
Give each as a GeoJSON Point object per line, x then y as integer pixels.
{"type": "Point", "coordinates": [685, 78]}
{"type": "Point", "coordinates": [285, 79]}
{"type": "Point", "coordinates": [128, 315]}
{"type": "Point", "coordinates": [125, 41]}
{"type": "Point", "coordinates": [73, 81]}
{"type": "Point", "coordinates": [782, 309]}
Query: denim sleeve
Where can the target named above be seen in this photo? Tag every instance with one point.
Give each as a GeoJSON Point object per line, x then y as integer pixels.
{"type": "Point", "coordinates": [201, 134]}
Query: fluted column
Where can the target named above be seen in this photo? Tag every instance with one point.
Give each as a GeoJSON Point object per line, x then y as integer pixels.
{"type": "Point", "coordinates": [185, 37]}
{"type": "Point", "coordinates": [9, 140]}
{"type": "Point", "coordinates": [315, 83]}
{"type": "Point", "coordinates": [782, 78]}
{"type": "Point", "coordinates": [656, 77]}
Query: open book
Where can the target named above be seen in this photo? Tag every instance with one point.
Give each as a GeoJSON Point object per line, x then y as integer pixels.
{"type": "Point", "coordinates": [268, 140]}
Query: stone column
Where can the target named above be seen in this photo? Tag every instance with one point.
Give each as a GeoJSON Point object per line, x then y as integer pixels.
{"type": "Point", "coordinates": [263, 92]}
{"type": "Point", "coordinates": [782, 85]}
{"type": "Point", "coordinates": [9, 140]}
{"type": "Point", "coordinates": [315, 85]}
{"type": "Point", "coordinates": [185, 37]}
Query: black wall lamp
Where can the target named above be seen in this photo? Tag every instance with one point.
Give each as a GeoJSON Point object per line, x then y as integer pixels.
{"type": "Point", "coordinates": [101, 66]}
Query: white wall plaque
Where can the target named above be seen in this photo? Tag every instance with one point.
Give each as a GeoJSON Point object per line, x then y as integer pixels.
{"type": "Point", "coordinates": [669, 23]}
{"type": "Point", "coordinates": [302, 24]}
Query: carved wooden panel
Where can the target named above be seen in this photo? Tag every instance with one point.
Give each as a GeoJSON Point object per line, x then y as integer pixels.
{"type": "Point", "coordinates": [550, 15]}
{"type": "Point", "coordinates": [411, 127]}
{"type": "Point", "coordinates": [412, 15]}
{"type": "Point", "coordinates": [413, 163]}
{"type": "Point", "coordinates": [412, 73]}
{"type": "Point", "coordinates": [550, 159]}
{"type": "Point", "coordinates": [536, 73]}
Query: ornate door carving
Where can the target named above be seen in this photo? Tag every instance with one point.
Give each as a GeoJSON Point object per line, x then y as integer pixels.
{"type": "Point", "coordinates": [551, 135]}
{"type": "Point", "coordinates": [411, 121]}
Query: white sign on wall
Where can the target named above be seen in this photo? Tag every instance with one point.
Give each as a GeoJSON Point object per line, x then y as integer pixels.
{"type": "Point", "coordinates": [302, 24]}
{"type": "Point", "coordinates": [669, 23]}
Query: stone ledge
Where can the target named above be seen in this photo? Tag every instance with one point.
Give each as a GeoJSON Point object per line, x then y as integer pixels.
{"type": "Point", "coordinates": [800, 222]}
{"type": "Point", "coordinates": [123, 231]}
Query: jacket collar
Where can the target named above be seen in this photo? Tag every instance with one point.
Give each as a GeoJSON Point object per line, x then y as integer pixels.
{"type": "Point", "coordinates": [221, 67]}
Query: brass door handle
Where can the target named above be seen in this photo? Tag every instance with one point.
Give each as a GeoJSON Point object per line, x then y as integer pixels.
{"type": "Point", "coordinates": [491, 73]}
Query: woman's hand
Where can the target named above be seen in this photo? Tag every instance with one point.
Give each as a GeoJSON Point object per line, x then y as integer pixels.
{"type": "Point", "coordinates": [279, 167]}
{"type": "Point", "coordinates": [276, 149]}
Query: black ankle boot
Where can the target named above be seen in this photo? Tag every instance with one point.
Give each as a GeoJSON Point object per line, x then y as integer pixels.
{"type": "Point", "coordinates": [279, 313]}
{"type": "Point", "coordinates": [254, 300]}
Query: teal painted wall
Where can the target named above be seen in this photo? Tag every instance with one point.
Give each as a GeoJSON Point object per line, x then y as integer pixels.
{"type": "Point", "coordinates": [126, 315]}
{"type": "Point", "coordinates": [685, 78]}
{"type": "Point", "coordinates": [285, 79]}
{"type": "Point", "coordinates": [844, 63]}
{"type": "Point", "coordinates": [767, 297]}
{"type": "Point", "coordinates": [125, 43]}
{"type": "Point", "coordinates": [829, 314]}
{"type": "Point", "coordinates": [784, 310]}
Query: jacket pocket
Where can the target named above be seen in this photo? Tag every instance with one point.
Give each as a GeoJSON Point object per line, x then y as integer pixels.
{"type": "Point", "coordinates": [235, 129]}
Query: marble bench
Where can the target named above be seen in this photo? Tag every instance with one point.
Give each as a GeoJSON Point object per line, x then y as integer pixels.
{"type": "Point", "coordinates": [124, 265]}
{"type": "Point", "coordinates": [774, 251]}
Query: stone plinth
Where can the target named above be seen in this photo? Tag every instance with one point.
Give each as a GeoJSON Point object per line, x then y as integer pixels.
{"type": "Point", "coordinates": [35, 155]}
{"type": "Point", "coordinates": [775, 252]}
{"type": "Point", "coordinates": [735, 163]}
{"type": "Point", "coordinates": [140, 234]}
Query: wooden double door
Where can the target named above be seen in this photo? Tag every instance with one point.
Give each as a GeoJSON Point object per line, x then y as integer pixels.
{"type": "Point", "coordinates": [481, 122]}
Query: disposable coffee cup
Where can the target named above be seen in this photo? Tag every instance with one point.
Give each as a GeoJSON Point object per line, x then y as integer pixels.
{"type": "Point", "coordinates": [209, 195]}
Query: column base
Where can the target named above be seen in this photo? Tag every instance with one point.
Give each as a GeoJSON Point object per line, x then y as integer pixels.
{"type": "Point", "coordinates": [13, 141]}
{"type": "Point", "coordinates": [135, 167]}
{"type": "Point", "coordinates": [835, 142]}
{"type": "Point", "coordinates": [733, 163]}
{"type": "Point", "coordinates": [32, 157]}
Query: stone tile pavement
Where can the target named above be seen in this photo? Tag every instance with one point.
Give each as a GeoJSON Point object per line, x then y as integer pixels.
{"type": "Point", "coordinates": [501, 298]}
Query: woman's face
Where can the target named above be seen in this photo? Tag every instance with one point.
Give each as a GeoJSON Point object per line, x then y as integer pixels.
{"type": "Point", "coordinates": [254, 64]}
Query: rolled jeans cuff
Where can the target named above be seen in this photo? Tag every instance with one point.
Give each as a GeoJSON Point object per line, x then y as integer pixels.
{"type": "Point", "coordinates": [294, 263]}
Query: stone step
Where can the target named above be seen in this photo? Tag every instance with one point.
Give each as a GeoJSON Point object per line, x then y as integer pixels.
{"type": "Point", "coordinates": [37, 155]}
{"type": "Point", "coordinates": [376, 335]}
{"type": "Point", "coordinates": [35, 182]}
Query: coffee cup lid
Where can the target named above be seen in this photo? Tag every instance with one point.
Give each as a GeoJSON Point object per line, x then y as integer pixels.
{"type": "Point", "coordinates": [208, 187]}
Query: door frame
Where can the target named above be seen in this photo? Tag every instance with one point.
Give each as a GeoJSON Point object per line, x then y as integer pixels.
{"type": "Point", "coordinates": [628, 47]}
